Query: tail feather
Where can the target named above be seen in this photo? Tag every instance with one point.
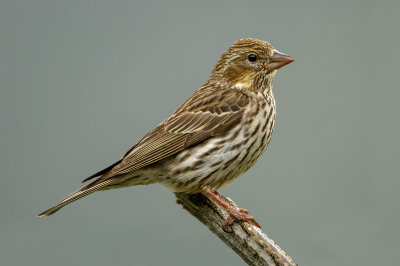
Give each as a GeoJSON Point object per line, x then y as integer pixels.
{"type": "Point", "coordinates": [84, 191]}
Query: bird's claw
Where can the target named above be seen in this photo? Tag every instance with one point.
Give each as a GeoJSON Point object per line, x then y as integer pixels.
{"type": "Point", "coordinates": [240, 215]}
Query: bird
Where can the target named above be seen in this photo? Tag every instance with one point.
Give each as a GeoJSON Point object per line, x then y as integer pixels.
{"type": "Point", "coordinates": [211, 139]}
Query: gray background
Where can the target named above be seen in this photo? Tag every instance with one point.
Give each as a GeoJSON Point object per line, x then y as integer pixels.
{"type": "Point", "coordinates": [82, 81]}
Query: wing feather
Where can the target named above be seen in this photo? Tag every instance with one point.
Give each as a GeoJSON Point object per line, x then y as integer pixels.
{"type": "Point", "coordinates": [219, 111]}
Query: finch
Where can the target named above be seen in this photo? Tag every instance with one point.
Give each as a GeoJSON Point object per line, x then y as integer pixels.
{"type": "Point", "coordinates": [211, 139]}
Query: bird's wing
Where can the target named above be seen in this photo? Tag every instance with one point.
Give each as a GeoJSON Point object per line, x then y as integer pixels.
{"type": "Point", "coordinates": [207, 113]}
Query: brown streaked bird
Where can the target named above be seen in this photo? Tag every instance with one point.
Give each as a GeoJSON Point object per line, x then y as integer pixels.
{"type": "Point", "coordinates": [213, 138]}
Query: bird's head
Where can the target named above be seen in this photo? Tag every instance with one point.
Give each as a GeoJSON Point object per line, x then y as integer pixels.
{"type": "Point", "coordinates": [249, 64]}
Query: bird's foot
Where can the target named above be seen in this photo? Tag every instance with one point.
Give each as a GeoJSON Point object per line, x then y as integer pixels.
{"type": "Point", "coordinates": [240, 215]}
{"type": "Point", "coordinates": [234, 213]}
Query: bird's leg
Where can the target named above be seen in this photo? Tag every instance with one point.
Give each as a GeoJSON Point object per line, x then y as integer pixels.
{"type": "Point", "coordinates": [238, 214]}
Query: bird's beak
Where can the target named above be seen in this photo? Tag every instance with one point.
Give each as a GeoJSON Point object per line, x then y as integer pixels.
{"type": "Point", "coordinates": [278, 60]}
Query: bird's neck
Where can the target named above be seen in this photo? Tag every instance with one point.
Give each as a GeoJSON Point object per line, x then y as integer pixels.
{"type": "Point", "coordinates": [261, 83]}
{"type": "Point", "coordinates": [258, 84]}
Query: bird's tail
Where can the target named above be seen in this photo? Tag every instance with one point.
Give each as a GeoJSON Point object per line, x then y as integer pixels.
{"type": "Point", "coordinates": [84, 191]}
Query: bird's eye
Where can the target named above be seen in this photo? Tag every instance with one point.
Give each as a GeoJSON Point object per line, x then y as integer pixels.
{"type": "Point", "coordinates": [252, 57]}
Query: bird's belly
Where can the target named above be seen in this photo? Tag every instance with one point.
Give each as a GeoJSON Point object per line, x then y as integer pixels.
{"type": "Point", "coordinates": [219, 160]}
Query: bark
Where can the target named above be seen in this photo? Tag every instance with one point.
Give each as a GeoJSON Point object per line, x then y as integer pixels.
{"type": "Point", "coordinates": [247, 240]}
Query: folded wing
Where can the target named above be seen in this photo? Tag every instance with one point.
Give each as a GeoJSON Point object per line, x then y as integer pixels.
{"type": "Point", "coordinates": [209, 112]}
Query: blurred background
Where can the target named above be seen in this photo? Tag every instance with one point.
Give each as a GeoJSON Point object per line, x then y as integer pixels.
{"type": "Point", "coordinates": [82, 81]}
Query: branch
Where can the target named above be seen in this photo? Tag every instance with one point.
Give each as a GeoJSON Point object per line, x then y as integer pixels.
{"type": "Point", "coordinates": [248, 241]}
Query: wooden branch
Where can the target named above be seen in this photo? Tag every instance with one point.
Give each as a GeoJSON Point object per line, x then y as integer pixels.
{"type": "Point", "coordinates": [247, 240]}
